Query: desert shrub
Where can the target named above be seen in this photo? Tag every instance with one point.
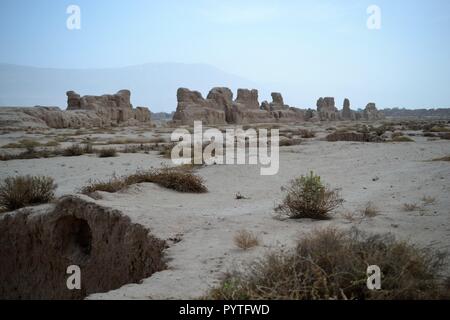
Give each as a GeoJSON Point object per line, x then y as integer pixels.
{"type": "Point", "coordinates": [73, 151]}
{"type": "Point", "coordinates": [23, 143]}
{"type": "Point", "coordinates": [107, 153]}
{"type": "Point", "coordinates": [428, 200]}
{"type": "Point", "coordinates": [52, 143]}
{"type": "Point", "coordinates": [397, 134]}
{"type": "Point", "coordinates": [88, 148]}
{"type": "Point", "coordinates": [445, 136]}
{"type": "Point", "coordinates": [402, 139]}
{"type": "Point", "coordinates": [442, 159]}
{"type": "Point", "coordinates": [439, 129]}
{"type": "Point", "coordinates": [307, 134]}
{"type": "Point", "coordinates": [112, 185]}
{"type": "Point", "coordinates": [410, 207]}
{"type": "Point", "coordinates": [289, 142]}
{"type": "Point", "coordinates": [370, 210]}
{"type": "Point", "coordinates": [308, 197]}
{"type": "Point", "coordinates": [350, 136]}
{"type": "Point", "coordinates": [157, 140]}
{"type": "Point", "coordinates": [331, 264]}
{"type": "Point", "coordinates": [30, 153]}
{"type": "Point", "coordinates": [430, 135]}
{"type": "Point", "coordinates": [178, 179]}
{"type": "Point", "coordinates": [174, 178]}
{"type": "Point", "coordinates": [21, 191]}
{"type": "Point", "coordinates": [245, 240]}
{"type": "Point", "coordinates": [166, 150]}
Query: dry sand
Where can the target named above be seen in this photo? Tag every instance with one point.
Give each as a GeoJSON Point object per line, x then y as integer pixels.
{"type": "Point", "coordinates": [200, 227]}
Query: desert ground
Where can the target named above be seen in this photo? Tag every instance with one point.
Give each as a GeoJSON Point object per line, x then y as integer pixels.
{"type": "Point", "coordinates": [200, 228]}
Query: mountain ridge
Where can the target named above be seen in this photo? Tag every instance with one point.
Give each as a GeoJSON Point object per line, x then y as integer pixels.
{"type": "Point", "coordinates": [153, 85]}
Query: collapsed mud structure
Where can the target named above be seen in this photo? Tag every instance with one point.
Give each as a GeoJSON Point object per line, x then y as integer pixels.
{"type": "Point", "coordinates": [37, 245]}
{"type": "Point", "coordinates": [82, 112]}
{"type": "Point", "coordinates": [219, 108]}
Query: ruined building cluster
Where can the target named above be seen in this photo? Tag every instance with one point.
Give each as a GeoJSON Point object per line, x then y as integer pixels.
{"type": "Point", "coordinates": [220, 108]}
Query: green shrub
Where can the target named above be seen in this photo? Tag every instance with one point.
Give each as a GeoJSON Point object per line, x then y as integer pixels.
{"type": "Point", "coordinates": [308, 197]}
{"type": "Point", "coordinates": [21, 191]}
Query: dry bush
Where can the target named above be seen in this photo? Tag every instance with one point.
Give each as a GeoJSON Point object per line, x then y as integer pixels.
{"type": "Point", "coordinates": [397, 134]}
{"type": "Point", "coordinates": [308, 197]}
{"type": "Point", "coordinates": [21, 191]}
{"type": "Point", "coordinates": [239, 196]}
{"type": "Point", "coordinates": [289, 142]}
{"type": "Point", "coordinates": [166, 150]}
{"type": "Point", "coordinates": [52, 143]}
{"type": "Point", "coordinates": [331, 264]}
{"type": "Point", "coordinates": [440, 129]}
{"type": "Point", "coordinates": [447, 158]}
{"type": "Point", "coordinates": [351, 216]}
{"type": "Point", "coordinates": [74, 150]}
{"type": "Point", "coordinates": [370, 210]}
{"type": "Point", "coordinates": [88, 148]}
{"type": "Point", "coordinates": [24, 143]}
{"type": "Point", "coordinates": [307, 134]}
{"type": "Point", "coordinates": [428, 200]}
{"type": "Point", "coordinates": [410, 207]}
{"type": "Point", "coordinates": [107, 153]}
{"type": "Point", "coordinates": [30, 153]}
{"type": "Point", "coordinates": [445, 136]}
{"type": "Point", "coordinates": [352, 136]}
{"type": "Point", "coordinates": [245, 240]}
{"type": "Point", "coordinates": [179, 179]}
{"type": "Point", "coordinates": [157, 140]}
{"type": "Point", "coordinates": [112, 185]}
{"type": "Point", "coordinates": [402, 139]}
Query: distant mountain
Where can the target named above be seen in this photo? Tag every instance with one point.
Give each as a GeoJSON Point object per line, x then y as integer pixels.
{"type": "Point", "coordinates": [153, 85]}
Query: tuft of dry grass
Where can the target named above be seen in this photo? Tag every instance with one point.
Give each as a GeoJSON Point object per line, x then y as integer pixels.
{"type": "Point", "coordinates": [370, 210]}
{"type": "Point", "coordinates": [180, 179]}
{"type": "Point", "coordinates": [245, 240]}
{"type": "Point", "coordinates": [290, 142]}
{"type": "Point", "coordinates": [402, 139]}
{"type": "Point", "coordinates": [21, 191]}
{"type": "Point", "coordinates": [410, 207]}
{"type": "Point", "coordinates": [74, 150]}
{"type": "Point", "coordinates": [308, 197]}
{"type": "Point", "coordinates": [447, 158]}
{"type": "Point", "coordinates": [24, 143]}
{"type": "Point", "coordinates": [331, 264]}
{"type": "Point", "coordinates": [107, 153]}
{"type": "Point", "coordinates": [428, 200]}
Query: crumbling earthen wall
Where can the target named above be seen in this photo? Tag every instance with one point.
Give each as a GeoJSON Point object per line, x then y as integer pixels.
{"type": "Point", "coordinates": [37, 246]}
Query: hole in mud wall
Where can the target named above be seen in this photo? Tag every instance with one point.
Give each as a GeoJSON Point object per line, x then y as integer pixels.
{"type": "Point", "coordinates": [38, 245]}
{"type": "Point", "coordinates": [75, 237]}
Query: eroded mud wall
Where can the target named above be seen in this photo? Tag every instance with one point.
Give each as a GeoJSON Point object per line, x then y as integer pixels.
{"type": "Point", "coordinates": [37, 247]}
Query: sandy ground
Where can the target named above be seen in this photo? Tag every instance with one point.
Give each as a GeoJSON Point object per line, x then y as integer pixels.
{"type": "Point", "coordinates": [201, 227]}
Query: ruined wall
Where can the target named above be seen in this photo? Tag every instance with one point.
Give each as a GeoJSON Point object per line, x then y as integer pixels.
{"type": "Point", "coordinates": [37, 246]}
{"type": "Point", "coordinates": [220, 108]}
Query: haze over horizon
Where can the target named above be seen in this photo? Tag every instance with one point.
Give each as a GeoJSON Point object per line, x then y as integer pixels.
{"type": "Point", "coordinates": [304, 49]}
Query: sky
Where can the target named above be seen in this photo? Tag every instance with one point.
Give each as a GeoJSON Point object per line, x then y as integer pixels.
{"type": "Point", "coordinates": [303, 48]}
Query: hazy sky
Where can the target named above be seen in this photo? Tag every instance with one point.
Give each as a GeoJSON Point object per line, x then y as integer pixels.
{"type": "Point", "coordinates": [302, 48]}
